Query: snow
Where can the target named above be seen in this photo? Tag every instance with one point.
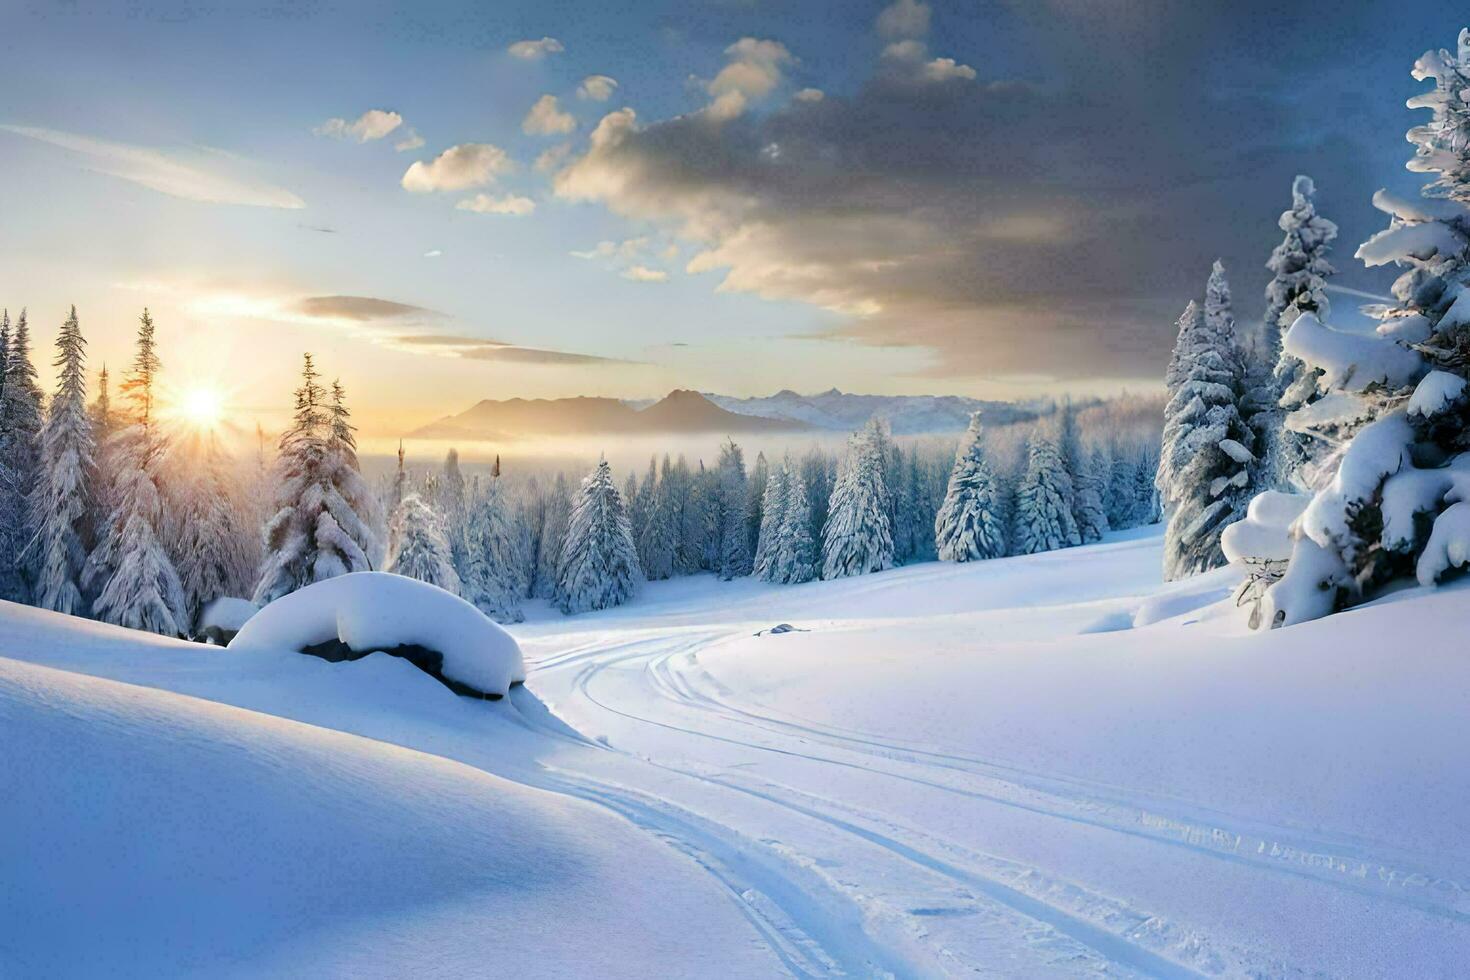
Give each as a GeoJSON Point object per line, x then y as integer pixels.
{"type": "Point", "coordinates": [1351, 362]}
{"type": "Point", "coordinates": [945, 769]}
{"type": "Point", "coordinates": [1265, 533]}
{"type": "Point", "coordinates": [1437, 391]}
{"type": "Point", "coordinates": [227, 613]}
{"type": "Point", "coordinates": [1418, 208]}
{"type": "Point", "coordinates": [381, 611]}
{"type": "Point", "coordinates": [1419, 241]}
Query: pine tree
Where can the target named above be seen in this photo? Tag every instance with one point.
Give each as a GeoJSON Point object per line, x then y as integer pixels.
{"type": "Point", "coordinates": [773, 518]}
{"type": "Point", "coordinates": [858, 537]}
{"type": "Point", "coordinates": [1300, 270]}
{"type": "Point", "coordinates": [1204, 470]}
{"type": "Point", "coordinates": [492, 577]}
{"type": "Point", "coordinates": [795, 558]}
{"type": "Point", "coordinates": [318, 530]}
{"type": "Point", "coordinates": [417, 547]}
{"type": "Point", "coordinates": [20, 461]}
{"type": "Point", "coordinates": [61, 501]}
{"type": "Point", "coordinates": [553, 538]}
{"type": "Point", "coordinates": [208, 532]}
{"type": "Point", "coordinates": [728, 511]}
{"type": "Point", "coordinates": [131, 571]}
{"type": "Point", "coordinates": [658, 542]}
{"type": "Point", "coordinates": [599, 563]}
{"type": "Point", "coordinates": [351, 503]}
{"type": "Point", "coordinates": [968, 526]}
{"type": "Point", "coordinates": [1089, 487]}
{"type": "Point", "coordinates": [1389, 503]}
{"type": "Point", "coordinates": [817, 473]}
{"type": "Point", "coordinates": [453, 502]}
{"type": "Point", "coordinates": [1043, 516]}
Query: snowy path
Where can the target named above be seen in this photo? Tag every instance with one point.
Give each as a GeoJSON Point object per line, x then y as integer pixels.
{"type": "Point", "coordinates": [952, 771]}
{"type": "Point", "coordinates": [875, 853]}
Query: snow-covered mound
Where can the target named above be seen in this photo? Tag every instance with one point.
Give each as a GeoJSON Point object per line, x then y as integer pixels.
{"type": "Point", "coordinates": [145, 833]}
{"type": "Point", "coordinates": [369, 611]}
{"type": "Point", "coordinates": [224, 617]}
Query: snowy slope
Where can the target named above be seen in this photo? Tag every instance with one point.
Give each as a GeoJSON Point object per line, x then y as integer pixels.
{"type": "Point", "coordinates": [951, 770]}
{"type": "Point", "coordinates": [147, 833]}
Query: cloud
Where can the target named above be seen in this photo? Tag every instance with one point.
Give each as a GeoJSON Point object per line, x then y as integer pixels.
{"type": "Point", "coordinates": [506, 204]}
{"type": "Point", "coordinates": [361, 309]}
{"type": "Point", "coordinates": [459, 167]}
{"type": "Point", "coordinates": [626, 249]}
{"type": "Point", "coordinates": [754, 68]}
{"type": "Point", "coordinates": [444, 340]}
{"type": "Point", "coordinates": [412, 141]}
{"type": "Point", "coordinates": [533, 355]}
{"type": "Point", "coordinates": [908, 59]}
{"type": "Point", "coordinates": [371, 125]}
{"type": "Point", "coordinates": [433, 253]}
{"type": "Point", "coordinates": [642, 273]}
{"type": "Point", "coordinates": [553, 157]}
{"type": "Point", "coordinates": [1009, 229]}
{"type": "Point", "coordinates": [810, 95]}
{"type": "Point", "coordinates": [598, 88]}
{"type": "Point", "coordinates": [905, 18]}
{"type": "Point", "coordinates": [547, 118]}
{"type": "Point", "coordinates": [535, 50]}
{"type": "Point", "coordinates": [204, 178]}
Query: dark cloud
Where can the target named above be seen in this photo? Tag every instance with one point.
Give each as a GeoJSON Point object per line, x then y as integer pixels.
{"type": "Point", "coordinates": [360, 308]}
{"type": "Point", "coordinates": [1051, 223]}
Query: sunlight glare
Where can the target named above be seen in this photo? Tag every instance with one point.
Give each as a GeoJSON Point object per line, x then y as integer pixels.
{"type": "Point", "coordinates": [203, 407]}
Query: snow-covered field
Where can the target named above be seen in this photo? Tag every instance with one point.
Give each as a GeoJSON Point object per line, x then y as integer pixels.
{"type": "Point", "coordinates": [1040, 766]}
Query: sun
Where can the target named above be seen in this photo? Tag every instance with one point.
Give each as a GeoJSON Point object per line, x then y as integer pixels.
{"type": "Point", "coordinates": [203, 408]}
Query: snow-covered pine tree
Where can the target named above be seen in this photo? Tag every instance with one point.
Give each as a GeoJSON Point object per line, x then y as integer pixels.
{"type": "Point", "coordinates": [1300, 270]}
{"type": "Point", "coordinates": [417, 547]}
{"type": "Point", "coordinates": [20, 460]}
{"type": "Point", "coordinates": [1043, 516]}
{"type": "Point", "coordinates": [599, 563]}
{"type": "Point", "coordinates": [1088, 487]}
{"type": "Point", "coordinates": [1396, 502]}
{"type": "Point", "coordinates": [4, 349]}
{"type": "Point", "coordinates": [350, 501]}
{"type": "Point", "coordinates": [1069, 448]}
{"type": "Point", "coordinates": [968, 525]}
{"type": "Point", "coordinates": [755, 497]}
{"type": "Point", "coordinates": [492, 577]}
{"type": "Point", "coordinates": [773, 516]}
{"type": "Point", "coordinates": [731, 520]}
{"type": "Point", "coordinates": [553, 538]}
{"type": "Point", "coordinates": [61, 501]}
{"type": "Point", "coordinates": [858, 537]}
{"type": "Point", "coordinates": [817, 473]}
{"type": "Point", "coordinates": [1121, 489]}
{"type": "Point", "coordinates": [131, 572]}
{"type": "Point", "coordinates": [795, 551]}
{"type": "Point", "coordinates": [1204, 468]}
{"type": "Point", "coordinates": [453, 504]}
{"type": "Point", "coordinates": [1149, 507]}
{"type": "Point", "coordinates": [637, 514]}
{"type": "Point", "coordinates": [659, 542]}
{"type": "Point", "coordinates": [208, 534]}
{"type": "Point", "coordinates": [304, 540]}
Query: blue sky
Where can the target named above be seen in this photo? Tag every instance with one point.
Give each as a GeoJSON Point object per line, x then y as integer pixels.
{"type": "Point", "coordinates": [987, 197]}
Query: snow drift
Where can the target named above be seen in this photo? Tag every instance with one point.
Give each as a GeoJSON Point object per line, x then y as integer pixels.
{"type": "Point", "coordinates": [370, 611]}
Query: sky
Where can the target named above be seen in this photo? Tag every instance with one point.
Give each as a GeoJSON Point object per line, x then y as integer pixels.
{"type": "Point", "coordinates": [450, 201]}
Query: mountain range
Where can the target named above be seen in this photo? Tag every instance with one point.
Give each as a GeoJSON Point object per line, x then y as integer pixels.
{"type": "Point", "coordinates": [679, 412]}
{"type": "Point", "coordinates": [684, 412]}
